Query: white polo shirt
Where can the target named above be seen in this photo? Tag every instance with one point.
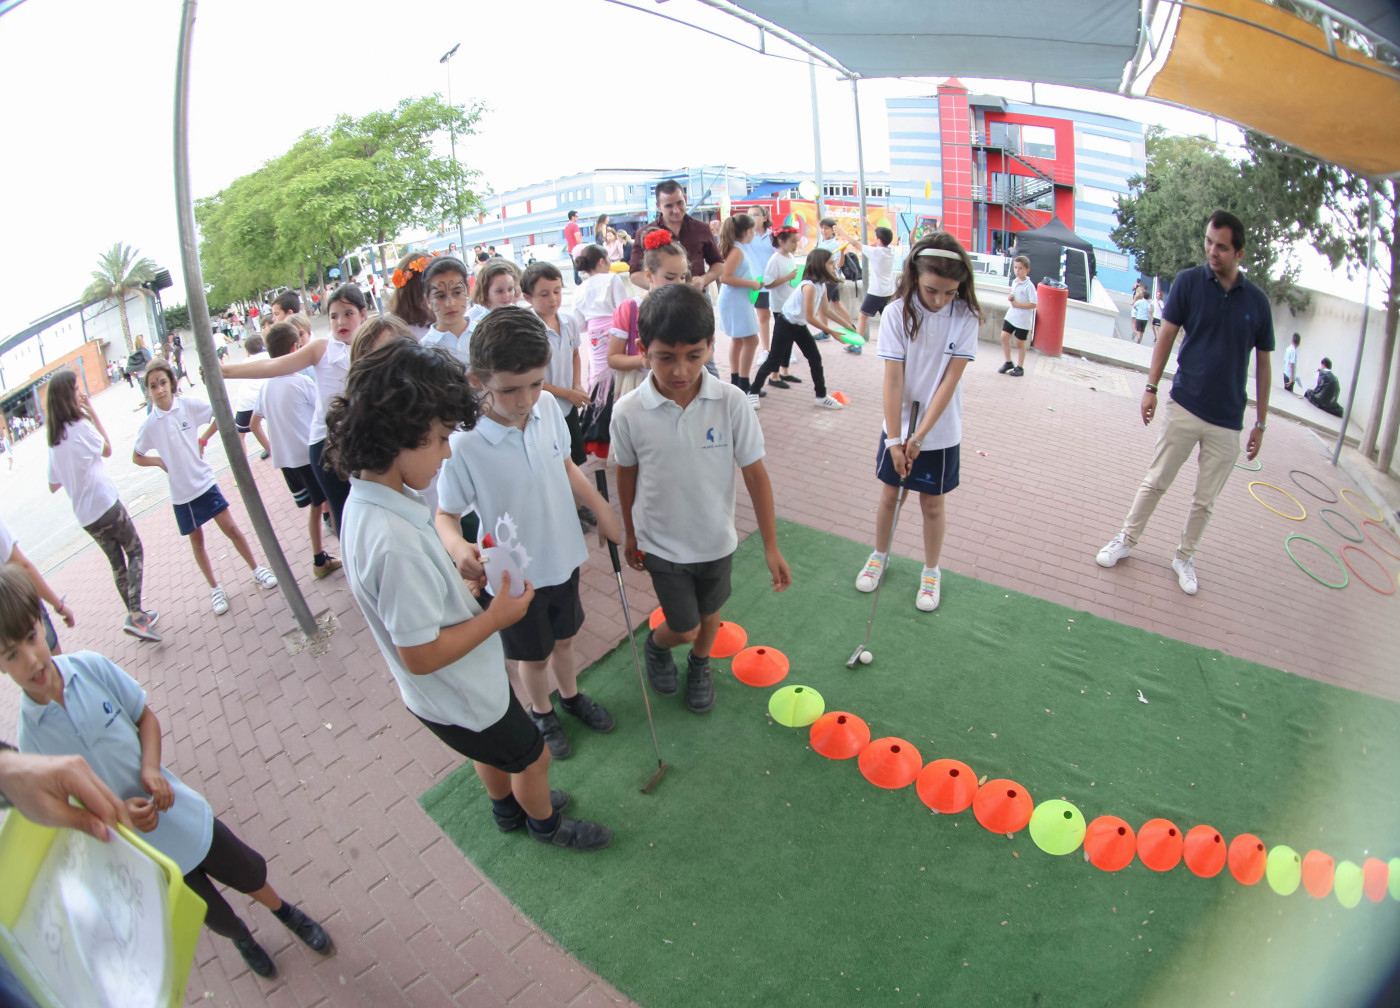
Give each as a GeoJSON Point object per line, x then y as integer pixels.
{"type": "Point", "coordinates": [77, 464]}
{"type": "Point", "coordinates": [288, 403]}
{"type": "Point", "coordinates": [459, 345]}
{"type": "Point", "coordinates": [331, 371]}
{"type": "Point", "coordinates": [503, 470]}
{"type": "Point", "coordinates": [175, 435]}
{"type": "Point", "coordinates": [881, 269]}
{"type": "Point", "coordinates": [563, 348]}
{"type": "Point", "coordinates": [409, 590]}
{"type": "Point", "coordinates": [97, 721]}
{"type": "Point", "coordinates": [939, 337]}
{"type": "Point", "coordinates": [685, 459]}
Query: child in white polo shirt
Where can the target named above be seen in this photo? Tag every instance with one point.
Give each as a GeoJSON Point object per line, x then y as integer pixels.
{"type": "Point", "coordinates": [171, 429]}
{"type": "Point", "coordinates": [83, 705]}
{"type": "Point", "coordinates": [677, 438]}
{"type": "Point", "coordinates": [390, 430]}
{"type": "Point", "coordinates": [288, 402]}
{"type": "Point", "coordinates": [516, 462]}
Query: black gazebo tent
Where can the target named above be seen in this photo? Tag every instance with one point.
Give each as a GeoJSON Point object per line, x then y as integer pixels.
{"type": "Point", "coordinates": [1045, 245]}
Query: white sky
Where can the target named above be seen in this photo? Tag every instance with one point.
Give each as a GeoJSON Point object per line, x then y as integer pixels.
{"type": "Point", "coordinates": [90, 83]}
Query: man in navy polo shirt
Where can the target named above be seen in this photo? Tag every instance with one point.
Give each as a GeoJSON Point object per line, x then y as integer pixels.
{"type": "Point", "coordinates": [1225, 317]}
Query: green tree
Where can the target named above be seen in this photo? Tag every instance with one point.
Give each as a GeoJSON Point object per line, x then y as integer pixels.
{"type": "Point", "coordinates": [120, 273]}
{"type": "Point", "coordinates": [1162, 219]}
{"type": "Point", "coordinates": [358, 180]}
{"type": "Point", "coordinates": [177, 317]}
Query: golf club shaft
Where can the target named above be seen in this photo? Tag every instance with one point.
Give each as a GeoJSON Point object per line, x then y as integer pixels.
{"type": "Point", "coordinates": [602, 481]}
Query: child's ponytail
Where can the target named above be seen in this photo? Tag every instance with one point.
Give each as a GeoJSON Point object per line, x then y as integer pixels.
{"type": "Point", "coordinates": [588, 258]}
{"type": "Point", "coordinates": [733, 229]}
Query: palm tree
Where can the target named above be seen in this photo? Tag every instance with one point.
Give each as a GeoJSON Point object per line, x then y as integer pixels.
{"type": "Point", "coordinates": [119, 274]}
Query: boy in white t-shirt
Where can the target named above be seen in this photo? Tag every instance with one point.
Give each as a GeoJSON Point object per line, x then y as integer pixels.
{"type": "Point", "coordinates": [881, 286]}
{"type": "Point", "coordinates": [515, 463]}
{"type": "Point", "coordinates": [288, 402]}
{"type": "Point", "coordinates": [170, 429]}
{"type": "Point", "coordinates": [1019, 318]}
{"type": "Point", "coordinates": [247, 398]}
{"type": "Point", "coordinates": [391, 431]}
{"type": "Point", "coordinates": [1290, 363]}
{"type": "Point", "coordinates": [677, 438]}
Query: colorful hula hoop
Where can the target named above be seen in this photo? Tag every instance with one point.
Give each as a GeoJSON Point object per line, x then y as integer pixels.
{"type": "Point", "coordinates": [1346, 579]}
{"type": "Point", "coordinates": [1358, 573]}
{"type": "Point", "coordinates": [1374, 517]}
{"type": "Point", "coordinates": [1295, 500]}
{"type": "Point", "coordinates": [1376, 544]}
{"type": "Point", "coordinates": [1258, 464]}
{"type": "Point", "coordinates": [1293, 474]}
{"type": "Point", "coordinates": [1326, 511]}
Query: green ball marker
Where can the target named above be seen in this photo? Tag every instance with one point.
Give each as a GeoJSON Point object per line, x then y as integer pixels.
{"type": "Point", "coordinates": [1283, 870]}
{"type": "Point", "coordinates": [1057, 827]}
{"type": "Point", "coordinates": [796, 706]}
{"type": "Point", "coordinates": [1347, 882]}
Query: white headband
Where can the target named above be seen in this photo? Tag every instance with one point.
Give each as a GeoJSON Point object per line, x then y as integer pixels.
{"type": "Point", "coordinates": [941, 253]}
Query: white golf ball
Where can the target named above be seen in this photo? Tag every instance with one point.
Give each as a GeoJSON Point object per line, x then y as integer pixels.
{"type": "Point", "coordinates": [866, 657]}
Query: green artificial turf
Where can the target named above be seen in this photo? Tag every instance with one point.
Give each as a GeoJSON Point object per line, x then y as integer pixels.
{"type": "Point", "coordinates": [759, 872]}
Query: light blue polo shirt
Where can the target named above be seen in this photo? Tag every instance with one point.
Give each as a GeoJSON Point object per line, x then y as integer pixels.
{"type": "Point", "coordinates": [686, 459]}
{"type": "Point", "coordinates": [97, 721]}
{"type": "Point", "coordinates": [503, 470]}
{"type": "Point", "coordinates": [409, 590]}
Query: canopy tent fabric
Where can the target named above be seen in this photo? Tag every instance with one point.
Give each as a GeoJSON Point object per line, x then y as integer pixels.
{"type": "Point", "coordinates": [1247, 61]}
{"type": "Point", "coordinates": [1045, 246]}
{"type": "Point", "coordinates": [768, 187]}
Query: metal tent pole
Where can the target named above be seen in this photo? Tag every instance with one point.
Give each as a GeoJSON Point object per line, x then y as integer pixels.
{"type": "Point", "coordinates": [860, 184]}
{"type": "Point", "coordinates": [1365, 315]}
{"type": "Point", "coordinates": [204, 339]}
{"type": "Point", "coordinates": [816, 137]}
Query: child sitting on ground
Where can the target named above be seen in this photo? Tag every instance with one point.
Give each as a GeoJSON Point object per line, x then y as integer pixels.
{"type": "Point", "coordinates": [677, 438]}
{"type": "Point", "coordinates": [514, 462]}
{"type": "Point", "coordinates": [390, 430]}
{"type": "Point", "coordinates": [170, 429]}
{"type": "Point", "coordinates": [82, 704]}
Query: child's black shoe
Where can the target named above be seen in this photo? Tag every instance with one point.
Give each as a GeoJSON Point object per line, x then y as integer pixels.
{"type": "Point", "coordinates": [661, 667]}
{"type": "Point", "coordinates": [258, 960]}
{"type": "Point", "coordinates": [594, 715]}
{"type": "Point", "coordinates": [699, 685]}
{"type": "Point", "coordinates": [576, 834]}
{"type": "Point", "coordinates": [558, 800]}
{"type": "Point", "coordinates": [553, 733]}
{"type": "Point", "coordinates": [312, 934]}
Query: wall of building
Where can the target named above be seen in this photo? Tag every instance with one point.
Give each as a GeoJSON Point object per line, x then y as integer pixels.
{"type": "Point", "coordinates": [102, 322]}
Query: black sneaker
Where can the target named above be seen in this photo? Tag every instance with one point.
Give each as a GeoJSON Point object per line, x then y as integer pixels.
{"type": "Point", "coordinates": [1016, 372]}
{"type": "Point", "coordinates": [661, 668]}
{"type": "Point", "coordinates": [553, 733]}
{"type": "Point", "coordinates": [576, 834]}
{"type": "Point", "coordinates": [558, 800]}
{"type": "Point", "coordinates": [313, 936]}
{"type": "Point", "coordinates": [594, 715]}
{"type": "Point", "coordinates": [776, 381]}
{"type": "Point", "coordinates": [791, 379]}
{"type": "Point", "coordinates": [1005, 368]}
{"type": "Point", "coordinates": [699, 685]}
{"type": "Point", "coordinates": [258, 961]}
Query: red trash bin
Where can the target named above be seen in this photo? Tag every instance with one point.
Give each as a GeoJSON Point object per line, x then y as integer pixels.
{"type": "Point", "coordinates": [1050, 306]}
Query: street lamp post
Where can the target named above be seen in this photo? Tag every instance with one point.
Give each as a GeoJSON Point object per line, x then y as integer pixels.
{"type": "Point", "coordinates": [452, 127]}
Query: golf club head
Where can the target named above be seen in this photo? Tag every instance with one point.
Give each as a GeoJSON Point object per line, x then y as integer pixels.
{"type": "Point", "coordinates": [661, 768]}
{"type": "Point", "coordinates": [855, 657]}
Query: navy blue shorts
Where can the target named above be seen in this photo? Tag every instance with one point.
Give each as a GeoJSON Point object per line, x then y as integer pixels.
{"type": "Point", "coordinates": [555, 614]}
{"type": "Point", "coordinates": [207, 505]}
{"type": "Point", "coordinates": [762, 303]}
{"type": "Point", "coordinates": [510, 745]}
{"type": "Point", "coordinates": [874, 304]}
{"type": "Point", "coordinates": [305, 488]}
{"type": "Point", "coordinates": [935, 470]}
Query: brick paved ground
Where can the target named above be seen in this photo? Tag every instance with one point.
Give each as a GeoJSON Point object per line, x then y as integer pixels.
{"type": "Point", "coordinates": [316, 762]}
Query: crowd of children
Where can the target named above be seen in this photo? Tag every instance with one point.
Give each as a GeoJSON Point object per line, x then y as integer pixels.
{"type": "Point", "coordinates": [471, 404]}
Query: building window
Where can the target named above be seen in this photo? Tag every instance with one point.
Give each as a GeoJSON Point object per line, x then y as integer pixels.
{"type": "Point", "coordinates": [1097, 196]}
{"type": "Point", "coordinates": [1038, 141]}
{"type": "Point", "coordinates": [1106, 145]}
{"type": "Point", "coordinates": [840, 189]}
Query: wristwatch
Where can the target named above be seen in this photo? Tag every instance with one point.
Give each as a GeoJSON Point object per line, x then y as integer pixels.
{"type": "Point", "coordinates": [1258, 425]}
{"type": "Point", "coordinates": [917, 442]}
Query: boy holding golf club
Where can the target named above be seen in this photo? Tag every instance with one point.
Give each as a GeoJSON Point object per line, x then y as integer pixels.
{"type": "Point", "coordinates": [515, 462]}
{"type": "Point", "coordinates": [677, 438]}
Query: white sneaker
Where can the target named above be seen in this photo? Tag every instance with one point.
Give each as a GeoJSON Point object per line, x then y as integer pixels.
{"type": "Point", "coordinates": [1116, 550]}
{"type": "Point", "coordinates": [753, 399]}
{"type": "Point", "coordinates": [870, 575]}
{"type": "Point", "coordinates": [827, 402]}
{"type": "Point", "coordinates": [1185, 575]}
{"type": "Point", "coordinates": [929, 592]}
{"type": "Point", "coordinates": [264, 577]}
{"type": "Point", "coordinates": [220, 600]}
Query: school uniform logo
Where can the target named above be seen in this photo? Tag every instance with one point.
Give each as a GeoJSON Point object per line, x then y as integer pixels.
{"type": "Point", "coordinates": [714, 439]}
{"type": "Point", "coordinates": [106, 707]}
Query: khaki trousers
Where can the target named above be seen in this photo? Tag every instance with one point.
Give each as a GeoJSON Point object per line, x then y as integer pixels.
{"type": "Point", "coordinates": [1180, 435]}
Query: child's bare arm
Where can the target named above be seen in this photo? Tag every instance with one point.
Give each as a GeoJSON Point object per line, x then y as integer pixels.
{"type": "Point", "coordinates": [626, 495]}
{"type": "Point", "coordinates": [464, 554]}
{"type": "Point", "coordinates": [460, 639]}
{"type": "Point", "coordinates": [41, 587]}
{"type": "Point", "coordinates": [609, 524]}
{"type": "Point", "coordinates": [154, 782]}
{"type": "Point", "coordinates": [942, 396]}
{"type": "Point", "coordinates": [274, 367]}
{"type": "Point", "coordinates": [761, 494]}
{"type": "Point", "coordinates": [147, 460]}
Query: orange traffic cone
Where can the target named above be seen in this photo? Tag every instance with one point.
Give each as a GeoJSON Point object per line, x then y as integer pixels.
{"type": "Point", "coordinates": [1159, 845]}
{"type": "Point", "coordinates": [656, 618]}
{"type": "Point", "coordinates": [1318, 870]}
{"type": "Point", "coordinates": [838, 735]}
{"type": "Point", "coordinates": [1247, 858]}
{"type": "Point", "coordinates": [890, 763]}
{"type": "Point", "coordinates": [947, 785]}
{"type": "Point", "coordinates": [760, 666]}
{"type": "Point", "coordinates": [1204, 850]}
{"type": "Point", "coordinates": [1110, 843]}
{"type": "Point", "coordinates": [729, 641]}
{"type": "Point", "coordinates": [1002, 806]}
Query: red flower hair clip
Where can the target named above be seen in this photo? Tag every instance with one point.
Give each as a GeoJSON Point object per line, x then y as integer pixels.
{"type": "Point", "coordinates": [655, 239]}
{"type": "Point", "coordinates": [399, 278]}
{"type": "Point", "coordinates": [784, 232]}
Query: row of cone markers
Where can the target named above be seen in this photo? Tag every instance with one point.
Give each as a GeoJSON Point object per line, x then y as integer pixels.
{"type": "Point", "coordinates": [1056, 826]}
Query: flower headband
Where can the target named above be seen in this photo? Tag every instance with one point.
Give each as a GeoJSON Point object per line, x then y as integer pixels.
{"type": "Point", "coordinates": [655, 239]}
{"type": "Point", "coordinates": [784, 232]}
{"type": "Point", "coordinates": [940, 253]}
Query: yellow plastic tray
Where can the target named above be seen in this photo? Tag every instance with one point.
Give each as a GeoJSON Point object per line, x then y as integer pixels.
{"type": "Point", "coordinates": [24, 847]}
